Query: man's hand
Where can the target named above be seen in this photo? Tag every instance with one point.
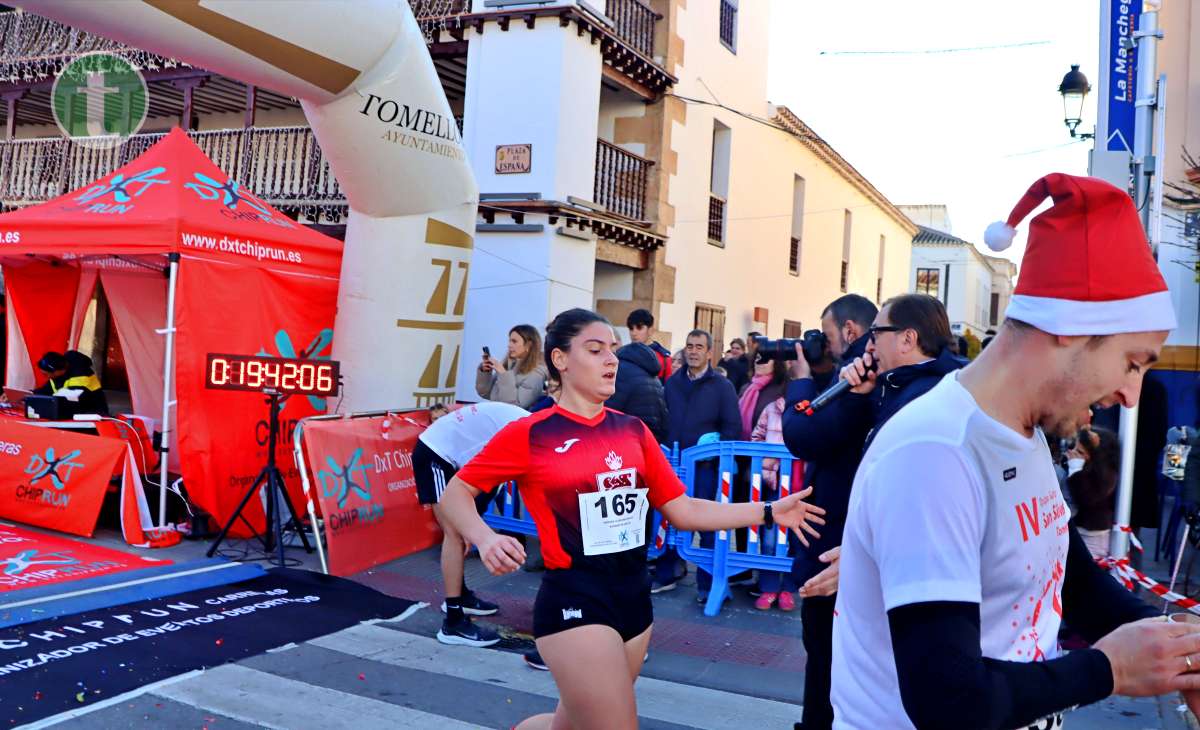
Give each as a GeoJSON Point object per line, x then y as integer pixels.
{"type": "Point", "coordinates": [1150, 657]}
{"type": "Point", "coordinates": [501, 554]}
{"type": "Point", "coordinates": [799, 368]}
{"type": "Point", "coordinates": [797, 515]}
{"type": "Point", "coordinates": [859, 376]}
{"type": "Point", "coordinates": [824, 583]}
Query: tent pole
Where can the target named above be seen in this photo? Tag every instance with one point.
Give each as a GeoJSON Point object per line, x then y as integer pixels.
{"type": "Point", "coordinates": [168, 404]}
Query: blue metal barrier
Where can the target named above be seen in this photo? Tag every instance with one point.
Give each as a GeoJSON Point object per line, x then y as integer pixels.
{"type": "Point", "coordinates": [765, 550]}
{"type": "Point", "coordinates": [723, 559]}
{"type": "Point", "coordinates": [507, 512]}
{"type": "Point", "coordinates": [662, 534]}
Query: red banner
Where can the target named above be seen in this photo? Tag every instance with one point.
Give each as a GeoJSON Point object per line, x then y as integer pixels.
{"type": "Point", "coordinates": [223, 434]}
{"type": "Point", "coordinates": [361, 473]}
{"type": "Point", "coordinates": [29, 559]}
{"type": "Point", "coordinates": [55, 479]}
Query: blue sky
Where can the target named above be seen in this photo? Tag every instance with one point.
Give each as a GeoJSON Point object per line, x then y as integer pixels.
{"type": "Point", "coordinates": [970, 129]}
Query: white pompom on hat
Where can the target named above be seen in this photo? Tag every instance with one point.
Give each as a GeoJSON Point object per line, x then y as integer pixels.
{"type": "Point", "coordinates": [999, 236]}
{"type": "Point", "coordinates": [1087, 269]}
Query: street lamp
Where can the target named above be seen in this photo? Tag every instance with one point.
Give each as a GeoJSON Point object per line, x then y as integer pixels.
{"type": "Point", "coordinates": [1074, 89]}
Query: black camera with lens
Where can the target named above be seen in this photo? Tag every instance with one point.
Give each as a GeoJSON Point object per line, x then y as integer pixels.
{"type": "Point", "coordinates": [813, 343]}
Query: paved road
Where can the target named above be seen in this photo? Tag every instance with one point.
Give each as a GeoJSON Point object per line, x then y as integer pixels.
{"type": "Point", "coordinates": [743, 668]}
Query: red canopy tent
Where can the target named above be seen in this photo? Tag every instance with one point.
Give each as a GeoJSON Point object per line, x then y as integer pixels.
{"type": "Point", "coordinates": [184, 252]}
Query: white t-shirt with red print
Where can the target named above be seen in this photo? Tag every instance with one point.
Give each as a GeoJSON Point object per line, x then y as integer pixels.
{"type": "Point", "coordinates": [948, 505]}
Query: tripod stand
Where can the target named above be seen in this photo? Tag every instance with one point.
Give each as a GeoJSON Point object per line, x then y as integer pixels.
{"type": "Point", "coordinates": [272, 537]}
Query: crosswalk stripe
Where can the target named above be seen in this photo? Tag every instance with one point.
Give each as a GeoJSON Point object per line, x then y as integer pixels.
{"type": "Point", "coordinates": [658, 699]}
{"type": "Point", "coordinates": [265, 699]}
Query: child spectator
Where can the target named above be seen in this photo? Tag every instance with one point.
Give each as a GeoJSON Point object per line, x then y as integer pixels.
{"type": "Point", "coordinates": [1093, 467]}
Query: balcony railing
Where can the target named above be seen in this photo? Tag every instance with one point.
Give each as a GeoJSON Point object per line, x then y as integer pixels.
{"type": "Point", "coordinates": [716, 219]}
{"type": "Point", "coordinates": [634, 22]}
{"type": "Point", "coordinates": [282, 165]}
{"type": "Point", "coordinates": [621, 178]}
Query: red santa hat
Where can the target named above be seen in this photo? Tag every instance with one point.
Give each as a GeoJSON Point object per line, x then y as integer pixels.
{"type": "Point", "coordinates": [1087, 268]}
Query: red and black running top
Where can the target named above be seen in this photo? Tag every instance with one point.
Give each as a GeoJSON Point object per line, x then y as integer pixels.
{"type": "Point", "coordinates": [554, 456]}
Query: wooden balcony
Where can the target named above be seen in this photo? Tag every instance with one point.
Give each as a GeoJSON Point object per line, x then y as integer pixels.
{"type": "Point", "coordinates": [635, 22]}
{"type": "Point", "coordinates": [282, 165]}
{"type": "Point", "coordinates": [621, 179]}
{"type": "Point", "coordinates": [626, 32]}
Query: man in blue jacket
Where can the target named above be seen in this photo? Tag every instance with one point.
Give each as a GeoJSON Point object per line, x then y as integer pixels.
{"type": "Point", "coordinates": [910, 342]}
{"type": "Point", "coordinates": [699, 401]}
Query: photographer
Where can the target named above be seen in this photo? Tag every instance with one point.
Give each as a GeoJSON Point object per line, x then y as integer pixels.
{"type": "Point", "coordinates": [831, 443]}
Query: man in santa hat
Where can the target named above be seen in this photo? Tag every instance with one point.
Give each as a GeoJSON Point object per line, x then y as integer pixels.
{"type": "Point", "coordinates": [958, 564]}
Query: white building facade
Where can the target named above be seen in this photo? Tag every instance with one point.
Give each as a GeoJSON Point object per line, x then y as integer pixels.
{"type": "Point", "coordinates": [644, 191]}
{"type": "Point", "coordinates": [974, 288]}
{"type": "Point", "coordinates": [626, 154]}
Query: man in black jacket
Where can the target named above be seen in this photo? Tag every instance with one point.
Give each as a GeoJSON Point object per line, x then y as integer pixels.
{"type": "Point", "coordinates": [831, 446]}
{"type": "Point", "coordinates": [910, 344]}
{"type": "Point", "coordinates": [639, 392]}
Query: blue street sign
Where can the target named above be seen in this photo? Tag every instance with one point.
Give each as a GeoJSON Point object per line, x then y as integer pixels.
{"type": "Point", "coordinates": [1122, 62]}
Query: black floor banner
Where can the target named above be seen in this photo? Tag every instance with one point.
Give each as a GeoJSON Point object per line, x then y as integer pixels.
{"type": "Point", "coordinates": [64, 664]}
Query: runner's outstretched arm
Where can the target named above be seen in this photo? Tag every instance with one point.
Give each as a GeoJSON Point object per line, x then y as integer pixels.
{"type": "Point", "coordinates": [703, 515]}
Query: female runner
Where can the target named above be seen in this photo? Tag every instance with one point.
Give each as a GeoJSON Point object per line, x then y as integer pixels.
{"type": "Point", "coordinates": [589, 477]}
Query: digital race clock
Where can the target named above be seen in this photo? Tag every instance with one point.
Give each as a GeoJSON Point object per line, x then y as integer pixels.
{"type": "Point", "coordinates": [279, 374]}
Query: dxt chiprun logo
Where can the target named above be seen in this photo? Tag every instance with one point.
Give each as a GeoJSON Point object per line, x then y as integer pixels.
{"type": "Point", "coordinates": [53, 469]}
{"type": "Point", "coordinates": [238, 202]}
{"type": "Point", "coordinates": [320, 348]}
{"type": "Point", "coordinates": [116, 195]}
{"type": "Point", "coordinates": [21, 562]}
{"type": "Point", "coordinates": [340, 481]}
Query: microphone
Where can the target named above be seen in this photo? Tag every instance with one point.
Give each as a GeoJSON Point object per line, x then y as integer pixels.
{"type": "Point", "coordinates": [837, 390]}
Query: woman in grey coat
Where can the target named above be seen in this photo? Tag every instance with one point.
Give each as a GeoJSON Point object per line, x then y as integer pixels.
{"type": "Point", "coordinates": [521, 378]}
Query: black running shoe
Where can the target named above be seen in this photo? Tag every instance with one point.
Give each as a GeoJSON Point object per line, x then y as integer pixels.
{"type": "Point", "coordinates": [534, 660]}
{"type": "Point", "coordinates": [466, 633]}
{"type": "Point", "coordinates": [473, 605]}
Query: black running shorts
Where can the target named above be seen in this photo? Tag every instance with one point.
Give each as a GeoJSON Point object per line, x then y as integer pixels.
{"type": "Point", "coordinates": [433, 473]}
{"type": "Point", "coordinates": [571, 598]}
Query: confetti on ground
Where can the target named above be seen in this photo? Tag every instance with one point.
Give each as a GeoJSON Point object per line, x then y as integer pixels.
{"type": "Point", "coordinates": [79, 696]}
{"type": "Point", "coordinates": [362, 676]}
